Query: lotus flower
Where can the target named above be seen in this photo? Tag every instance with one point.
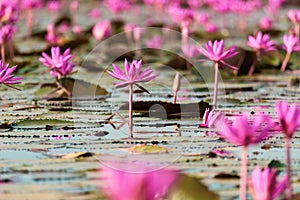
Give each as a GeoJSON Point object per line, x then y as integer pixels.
{"type": "Point", "coordinates": [215, 52]}
{"type": "Point", "coordinates": [264, 184]}
{"type": "Point", "coordinates": [117, 6]}
{"type": "Point", "coordinates": [213, 119]}
{"type": "Point", "coordinates": [266, 23]}
{"type": "Point", "coordinates": [190, 50]}
{"type": "Point", "coordinates": [53, 5]}
{"type": "Point", "coordinates": [260, 43]}
{"type": "Point", "coordinates": [289, 118]}
{"type": "Point", "coordinates": [243, 133]}
{"type": "Point", "coordinates": [60, 64]}
{"type": "Point", "coordinates": [155, 42]}
{"type": "Point", "coordinates": [121, 185]}
{"type": "Point", "coordinates": [6, 75]}
{"type": "Point", "coordinates": [290, 44]}
{"type": "Point", "coordinates": [95, 13]}
{"type": "Point", "coordinates": [133, 75]}
{"type": "Point", "coordinates": [294, 16]}
{"type": "Point", "coordinates": [52, 37]}
{"type": "Point", "coordinates": [102, 30]}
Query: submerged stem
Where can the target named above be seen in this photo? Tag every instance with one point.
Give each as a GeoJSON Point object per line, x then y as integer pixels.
{"type": "Point", "coordinates": [130, 110]}
{"type": "Point", "coordinates": [285, 62]}
{"type": "Point", "coordinates": [289, 192]}
{"type": "Point", "coordinates": [216, 85]}
{"type": "Point", "coordinates": [244, 174]}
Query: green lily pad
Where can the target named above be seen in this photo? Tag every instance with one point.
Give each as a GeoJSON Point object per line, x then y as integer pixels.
{"type": "Point", "coordinates": [190, 188]}
{"type": "Point", "coordinates": [148, 149]}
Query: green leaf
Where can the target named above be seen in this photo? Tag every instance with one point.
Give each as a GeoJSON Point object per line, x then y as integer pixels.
{"type": "Point", "coordinates": [150, 149]}
{"type": "Point", "coordinates": [277, 165]}
{"type": "Point", "coordinates": [190, 188]}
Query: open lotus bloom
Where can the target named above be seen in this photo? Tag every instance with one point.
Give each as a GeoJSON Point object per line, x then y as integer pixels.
{"type": "Point", "coordinates": [290, 43]}
{"type": "Point", "coordinates": [133, 73]}
{"type": "Point", "coordinates": [261, 42]}
{"type": "Point", "coordinates": [122, 185]}
{"type": "Point", "coordinates": [59, 64]}
{"type": "Point", "coordinates": [288, 116]}
{"type": "Point", "coordinates": [264, 184]}
{"type": "Point", "coordinates": [6, 76]}
{"type": "Point", "coordinates": [294, 16]}
{"type": "Point", "coordinates": [244, 132]}
{"type": "Point", "coordinates": [215, 52]}
{"type": "Point", "coordinates": [213, 119]}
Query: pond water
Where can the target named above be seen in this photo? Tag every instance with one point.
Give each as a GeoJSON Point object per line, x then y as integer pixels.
{"type": "Point", "coordinates": [53, 148]}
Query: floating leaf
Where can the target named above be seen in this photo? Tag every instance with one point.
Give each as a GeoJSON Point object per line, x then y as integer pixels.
{"type": "Point", "coordinates": [35, 123]}
{"type": "Point", "coordinates": [190, 188]}
{"type": "Point", "coordinates": [148, 149]}
{"type": "Point", "coordinates": [276, 164]}
{"type": "Point", "coordinates": [77, 155]}
{"type": "Point", "coordinates": [161, 109]}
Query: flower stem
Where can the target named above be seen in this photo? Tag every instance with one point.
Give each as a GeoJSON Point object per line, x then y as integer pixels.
{"type": "Point", "coordinates": [29, 23]}
{"type": "Point", "coordinates": [242, 24]}
{"type": "Point", "coordinates": [3, 53]}
{"type": "Point", "coordinates": [130, 110]}
{"type": "Point", "coordinates": [255, 61]}
{"type": "Point", "coordinates": [244, 174]}
{"type": "Point", "coordinates": [297, 29]}
{"type": "Point", "coordinates": [11, 49]}
{"type": "Point", "coordinates": [174, 98]}
{"type": "Point", "coordinates": [289, 193]}
{"type": "Point", "coordinates": [285, 62]}
{"type": "Point", "coordinates": [184, 35]}
{"type": "Point", "coordinates": [216, 85]}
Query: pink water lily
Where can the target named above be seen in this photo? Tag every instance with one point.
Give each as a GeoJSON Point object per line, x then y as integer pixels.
{"type": "Point", "coordinates": [190, 50]}
{"type": "Point", "coordinates": [264, 184]}
{"type": "Point", "coordinates": [117, 6]}
{"type": "Point", "coordinates": [294, 16]}
{"type": "Point", "coordinates": [215, 52]}
{"type": "Point", "coordinates": [120, 185]}
{"type": "Point", "coordinates": [6, 75]}
{"type": "Point", "coordinates": [289, 118]}
{"type": "Point", "coordinates": [243, 133]}
{"type": "Point", "coordinates": [59, 64]}
{"type": "Point", "coordinates": [64, 70]}
{"type": "Point", "coordinates": [290, 44]}
{"type": "Point", "coordinates": [57, 59]}
{"type": "Point", "coordinates": [266, 23]}
{"type": "Point", "coordinates": [260, 43]}
{"type": "Point", "coordinates": [133, 75]}
{"type": "Point", "coordinates": [211, 118]}
{"type": "Point", "coordinates": [155, 42]}
{"type": "Point", "coordinates": [102, 30]}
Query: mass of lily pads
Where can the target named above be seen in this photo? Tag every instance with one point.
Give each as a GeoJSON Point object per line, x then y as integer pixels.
{"type": "Point", "coordinates": [213, 24]}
